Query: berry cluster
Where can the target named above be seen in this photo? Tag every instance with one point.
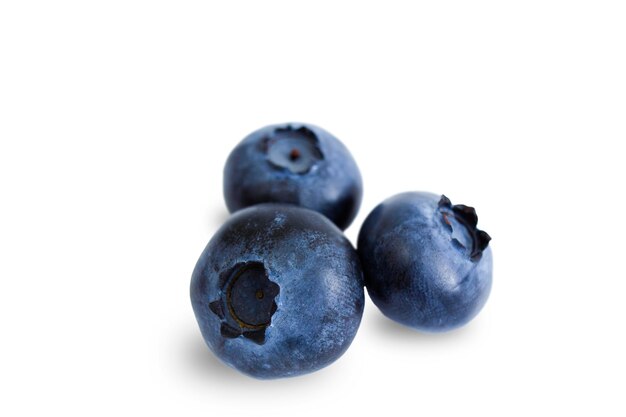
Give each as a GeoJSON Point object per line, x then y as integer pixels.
{"type": "Point", "coordinates": [278, 290]}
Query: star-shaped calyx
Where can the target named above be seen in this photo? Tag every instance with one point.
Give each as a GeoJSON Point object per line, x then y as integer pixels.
{"type": "Point", "coordinates": [247, 301]}
{"type": "Point", "coordinates": [461, 221]}
{"type": "Point", "coordinates": [296, 150]}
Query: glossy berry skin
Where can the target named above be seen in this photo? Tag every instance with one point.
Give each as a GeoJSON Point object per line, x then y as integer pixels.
{"type": "Point", "coordinates": [426, 265]}
{"type": "Point", "coordinates": [294, 163]}
{"type": "Point", "coordinates": [278, 291]}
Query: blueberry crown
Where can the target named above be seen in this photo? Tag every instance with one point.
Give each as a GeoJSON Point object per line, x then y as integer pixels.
{"type": "Point", "coordinates": [293, 149]}
{"type": "Point", "coordinates": [465, 215]}
{"type": "Point", "coordinates": [246, 303]}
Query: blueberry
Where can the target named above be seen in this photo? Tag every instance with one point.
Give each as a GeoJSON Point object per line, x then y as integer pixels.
{"type": "Point", "coordinates": [297, 164]}
{"type": "Point", "coordinates": [426, 265]}
{"type": "Point", "coordinates": [278, 291]}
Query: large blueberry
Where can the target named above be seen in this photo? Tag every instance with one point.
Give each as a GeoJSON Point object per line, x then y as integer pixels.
{"type": "Point", "coordinates": [278, 291]}
{"type": "Point", "coordinates": [297, 164]}
{"type": "Point", "coordinates": [426, 265]}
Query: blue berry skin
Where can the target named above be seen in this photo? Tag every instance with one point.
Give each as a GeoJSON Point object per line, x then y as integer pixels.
{"type": "Point", "coordinates": [426, 265]}
{"type": "Point", "coordinates": [278, 291]}
{"type": "Point", "coordinates": [298, 164]}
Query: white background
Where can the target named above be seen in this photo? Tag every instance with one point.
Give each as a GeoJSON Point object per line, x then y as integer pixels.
{"type": "Point", "coordinates": [116, 118]}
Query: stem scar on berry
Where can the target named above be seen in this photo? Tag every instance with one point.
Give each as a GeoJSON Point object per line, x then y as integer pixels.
{"type": "Point", "coordinates": [294, 154]}
{"type": "Point", "coordinates": [461, 221]}
{"type": "Point", "coordinates": [247, 301]}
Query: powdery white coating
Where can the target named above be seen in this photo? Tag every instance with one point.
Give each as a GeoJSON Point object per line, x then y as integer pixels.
{"type": "Point", "coordinates": [414, 272]}
{"type": "Point", "coordinates": [321, 298]}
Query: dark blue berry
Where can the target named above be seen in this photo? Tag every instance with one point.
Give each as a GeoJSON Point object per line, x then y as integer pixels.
{"type": "Point", "coordinates": [425, 262]}
{"type": "Point", "coordinates": [297, 164]}
{"type": "Point", "coordinates": [278, 291]}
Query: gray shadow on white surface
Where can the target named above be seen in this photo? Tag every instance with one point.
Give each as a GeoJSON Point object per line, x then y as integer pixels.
{"type": "Point", "coordinates": [391, 330]}
{"type": "Point", "coordinates": [202, 364]}
{"type": "Point", "coordinates": [216, 217]}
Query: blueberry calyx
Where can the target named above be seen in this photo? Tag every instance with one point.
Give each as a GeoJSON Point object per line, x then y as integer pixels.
{"type": "Point", "coordinates": [247, 302]}
{"type": "Point", "coordinates": [293, 149]}
{"type": "Point", "coordinates": [466, 216]}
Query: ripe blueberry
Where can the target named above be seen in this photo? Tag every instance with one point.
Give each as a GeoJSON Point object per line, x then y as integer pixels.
{"type": "Point", "coordinates": [426, 265]}
{"type": "Point", "coordinates": [297, 164]}
{"type": "Point", "coordinates": [278, 291]}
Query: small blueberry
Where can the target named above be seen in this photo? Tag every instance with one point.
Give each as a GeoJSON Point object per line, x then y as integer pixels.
{"type": "Point", "coordinates": [298, 164]}
{"type": "Point", "coordinates": [426, 264]}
